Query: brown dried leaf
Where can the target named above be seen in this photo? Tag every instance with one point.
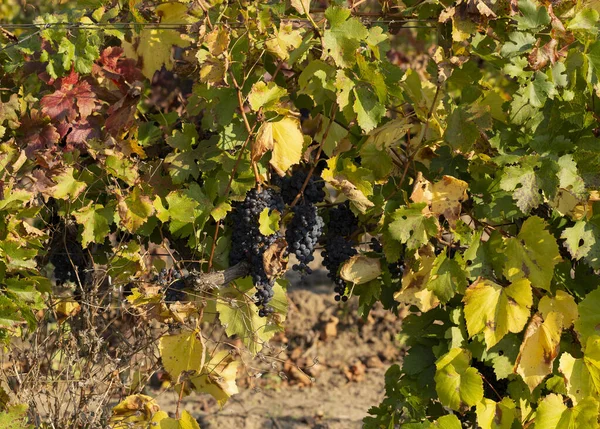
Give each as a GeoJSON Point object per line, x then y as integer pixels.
{"type": "Point", "coordinates": [274, 261]}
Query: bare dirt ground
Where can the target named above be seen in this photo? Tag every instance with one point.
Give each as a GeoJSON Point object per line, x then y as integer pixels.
{"type": "Point", "coordinates": [323, 373]}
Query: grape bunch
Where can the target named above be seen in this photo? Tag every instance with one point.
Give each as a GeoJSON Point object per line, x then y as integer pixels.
{"type": "Point", "coordinates": [291, 186]}
{"type": "Point", "coordinates": [248, 244]}
{"type": "Point", "coordinates": [69, 263]}
{"type": "Point", "coordinates": [338, 247]}
{"type": "Point", "coordinates": [303, 234]}
{"type": "Point", "coordinates": [173, 284]}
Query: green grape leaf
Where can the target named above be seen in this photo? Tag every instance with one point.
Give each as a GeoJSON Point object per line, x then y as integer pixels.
{"type": "Point", "coordinates": [96, 220]}
{"type": "Point", "coordinates": [14, 417]}
{"type": "Point", "coordinates": [344, 36]}
{"type": "Point", "coordinates": [581, 240]}
{"type": "Point", "coordinates": [585, 20]}
{"type": "Point", "coordinates": [368, 108]}
{"type": "Point", "coordinates": [588, 323]}
{"type": "Point", "coordinates": [533, 254]}
{"type": "Point", "coordinates": [285, 40]}
{"type": "Point", "coordinates": [412, 227]}
{"type": "Point", "coordinates": [67, 187]}
{"type": "Point", "coordinates": [496, 415]}
{"type": "Point", "coordinates": [533, 17]}
{"type": "Point", "coordinates": [183, 139]}
{"type": "Point", "coordinates": [458, 385]}
{"type": "Point", "coordinates": [496, 310]}
{"type": "Point", "coordinates": [182, 355]}
{"type": "Point", "coordinates": [447, 278]}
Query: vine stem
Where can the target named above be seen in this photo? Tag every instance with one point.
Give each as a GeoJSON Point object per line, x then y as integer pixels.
{"type": "Point", "coordinates": [319, 150]}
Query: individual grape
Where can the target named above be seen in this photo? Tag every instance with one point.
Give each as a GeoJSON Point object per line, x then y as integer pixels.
{"type": "Point", "coordinates": [303, 234]}
{"type": "Point", "coordinates": [248, 244]}
{"type": "Point", "coordinates": [291, 186]}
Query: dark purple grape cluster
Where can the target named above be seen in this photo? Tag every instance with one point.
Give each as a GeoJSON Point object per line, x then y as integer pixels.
{"type": "Point", "coordinates": [291, 186]}
{"type": "Point", "coordinates": [342, 221]}
{"type": "Point", "coordinates": [396, 269]}
{"type": "Point", "coordinates": [248, 244]}
{"type": "Point", "coordinates": [337, 251]}
{"type": "Point", "coordinates": [302, 235]}
{"type": "Point", "coordinates": [375, 245]}
{"type": "Point", "coordinates": [173, 284]}
{"type": "Point", "coordinates": [338, 246]}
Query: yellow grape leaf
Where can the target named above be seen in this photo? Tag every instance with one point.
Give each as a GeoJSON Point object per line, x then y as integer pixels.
{"type": "Point", "coordinates": [182, 354]}
{"type": "Point", "coordinates": [497, 310]}
{"type": "Point", "coordinates": [135, 209]}
{"type": "Point", "coordinates": [414, 285]}
{"type": "Point", "coordinates": [361, 269]}
{"type": "Point", "coordinates": [66, 308]}
{"type": "Point", "coordinates": [268, 224]}
{"type": "Point", "coordinates": [155, 44]}
{"type": "Point", "coordinates": [265, 95]}
{"type": "Point", "coordinates": [448, 194]}
{"type": "Point", "coordinates": [422, 192]}
{"type": "Point", "coordinates": [578, 380]}
{"type": "Point", "coordinates": [302, 6]}
{"type": "Point", "coordinates": [284, 138]}
{"type": "Point", "coordinates": [284, 41]}
{"type": "Point", "coordinates": [185, 422]}
{"type": "Point", "coordinates": [459, 386]}
{"type": "Point", "coordinates": [496, 415]}
{"type": "Point", "coordinates": [562, 303]}
{"type": "Point", "coordinates": [218, 377]}
{"type": "Point", "coordinates": [217, 41]}
{"type": "Point", "coordinates": [539, 349]}
{"type": "Point", "coordinates": [552, 413]}
{"type": "Point", "coordinates": [134, 410]}
{"type": "Point", "coordinates": [532, 254]}
{"type": "Point", "coordinates": [213, 70]}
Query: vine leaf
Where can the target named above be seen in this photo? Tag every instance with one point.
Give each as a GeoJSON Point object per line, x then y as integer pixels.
{"type": "Point", "coordinates": [539, 349]}
{"type": "Point", "coordinates": [361, 269]}
{"type": "Point", "coordinates": [67, 187]}
{"type": "Point", "coordinates": [154, 45]}
{"type": "Point", "coordinates": [552, 413]}
{"type": "Point", "coordinates": [588, 323]}
{"type": "Point", "coordinates": [302, 6]}
{"type": "Point", "coordinates": [368, 108]}
{"type": "Point", "coordinates": [74, 98]}
{"type": "Point", "coordinates": [444, 197]}
{"type": "Point", "coordinates": [343, 37]}
{"type": "Point", "coordinates": [239, 315]}
{"type": "Point", "coordinates": [96, 220]}
{"type": "Point", "coordinates": [268, 223]}
{"type": "Point", "coordinates": [459, 386]}
{"type": "Point", "coordinates": [135, 209]}
{"type": "Point", "coordinates": [285, 40]}
{"type": "Point", "coordinates": [496, 415]}
{"type": "Point", "coordinates": [414, 290]}
{"type": "Point", "coordinates": [265, 95]}
{"type": "Point", "coordinates": [447, 278]}
{"type": "Point", "coordinates": [412, 227]}
{"type": "Point", "coordinates": [496, 310]}
{"type": "Point", "coordinates": [533, 17]}
{"type": "Point", "coordinates": [182, 355]}
{"type": "Point", "coordinates": [134, 410]}
{"type": "Point", "coordinates": [284, 138]}
{"type": "Point", "coordinates": [533, 254]}
{"type": "Point", "coordinates": [186, 421]}
{"type": "Point", "coordinates": [218, 378]}
{"type": "Point", "coordinates": [582, 376]}
{"type": "Point", "coordinates": [581, 242]}
{"type": "Point", "coordinates": [562, 303]}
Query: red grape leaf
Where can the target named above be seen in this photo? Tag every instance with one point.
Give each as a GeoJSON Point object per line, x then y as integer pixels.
{"type": "Point", "coordinates": [71, 98]}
